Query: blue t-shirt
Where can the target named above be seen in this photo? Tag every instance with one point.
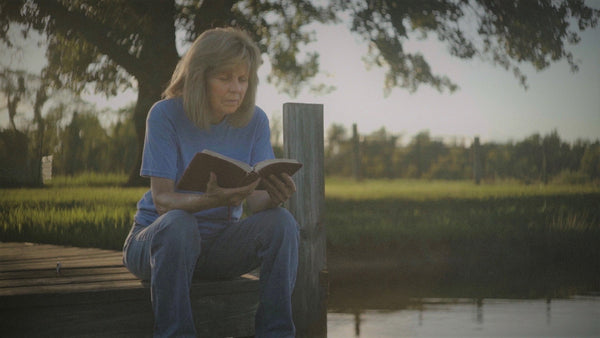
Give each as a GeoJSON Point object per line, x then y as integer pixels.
{"type": "Point", "coordinates": [172, 140]}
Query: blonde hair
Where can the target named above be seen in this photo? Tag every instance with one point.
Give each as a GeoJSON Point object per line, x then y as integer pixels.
{"type": "Point", "coordinates": [213, 51]}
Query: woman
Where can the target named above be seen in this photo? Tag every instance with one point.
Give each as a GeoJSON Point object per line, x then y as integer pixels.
{"type": "Point", "coordinates": [209, 104]}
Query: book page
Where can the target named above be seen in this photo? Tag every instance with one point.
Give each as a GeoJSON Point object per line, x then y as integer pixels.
{"type": "Point", "coordinates": [260, 165]}
{"type": "Point", "coordinates": [277, 166]}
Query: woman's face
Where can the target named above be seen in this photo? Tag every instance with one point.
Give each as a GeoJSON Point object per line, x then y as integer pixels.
{"type": "Point", "coordinates": [226, 90]}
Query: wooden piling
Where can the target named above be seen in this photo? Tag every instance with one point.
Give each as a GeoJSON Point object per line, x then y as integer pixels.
{"type": "Point", "coordinates": [303, 140]}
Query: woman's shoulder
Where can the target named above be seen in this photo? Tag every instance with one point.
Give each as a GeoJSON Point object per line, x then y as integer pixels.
{"type": "Point", "coordinates": [167, 104]}
{"type": "Point", "coordinates": [258, 120]}
{"type": "Point", "coordinates": [259, 115]}
{"type": "Point", "coordinates": [166, 108]}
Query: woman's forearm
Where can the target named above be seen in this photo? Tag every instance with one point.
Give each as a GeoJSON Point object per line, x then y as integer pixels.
{"type": "Point", "coordinates": [192, 203]}
{"type": "Point", "coordinates": [259, 200]}
{"type": "Point", "coordinates": [166, 198]}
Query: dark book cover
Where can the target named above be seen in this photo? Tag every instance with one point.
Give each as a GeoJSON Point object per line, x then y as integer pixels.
{"type": "Point", "coordinates": [230, 173]}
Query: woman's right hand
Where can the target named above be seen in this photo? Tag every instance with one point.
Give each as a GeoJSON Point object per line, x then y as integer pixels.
{"type": "Point", "coordinates": [229, 197]}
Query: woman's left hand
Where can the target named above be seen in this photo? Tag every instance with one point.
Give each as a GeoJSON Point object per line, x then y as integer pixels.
{"type": "Point", "coordinates": [280, 188]}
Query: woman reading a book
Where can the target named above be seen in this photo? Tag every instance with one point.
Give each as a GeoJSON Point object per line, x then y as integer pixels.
{"type": "Point", "coordinates": [210, 104]}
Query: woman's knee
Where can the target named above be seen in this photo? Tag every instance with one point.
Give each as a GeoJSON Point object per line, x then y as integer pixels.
{"type": "Point", "coordinates": [174, 235]}
{"type": "Point", "coordinates": [282, 223]}
{"type": "Point", "coordinates": [178, 228]}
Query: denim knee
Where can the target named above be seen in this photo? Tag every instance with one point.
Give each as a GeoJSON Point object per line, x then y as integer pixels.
{"type": "Point", "coordinates": [280, 224]}
{"type": "Point", "coordinates": [179, 230]}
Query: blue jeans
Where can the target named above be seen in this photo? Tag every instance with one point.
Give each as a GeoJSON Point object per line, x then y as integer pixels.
{"type": "Point", "coordinates": [172, 250]}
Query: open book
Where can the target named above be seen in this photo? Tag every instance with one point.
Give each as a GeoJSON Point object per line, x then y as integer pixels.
{"type": "Point", "coordinates": [230, 172]}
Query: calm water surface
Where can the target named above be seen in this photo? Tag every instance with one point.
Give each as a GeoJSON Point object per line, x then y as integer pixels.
{"type": "Point", "coordinates": [577, 316]}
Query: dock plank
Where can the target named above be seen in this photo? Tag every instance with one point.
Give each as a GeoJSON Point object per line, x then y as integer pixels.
{"type": "Point", "coordinates": [9, 251]}
{"type": "Point", "coordinates": [93, 294]}
{"type": "Point", "coordinates": [70, 263]}
{"type": "Point", "coordinates": [49, 273]}
{"type": "Point", "coordinates": [34, 281]}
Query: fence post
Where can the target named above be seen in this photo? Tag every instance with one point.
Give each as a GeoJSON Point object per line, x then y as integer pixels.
{"type": "Point", "coordinates": [477, 161]}
{"type": "Point", "coordinates": [303, 140]}
{"type": "Point", "coordinates": [356, 152]}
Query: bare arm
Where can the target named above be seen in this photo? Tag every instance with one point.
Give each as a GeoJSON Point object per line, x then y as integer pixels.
{"type": "Point", "coordinates": [166, 198]}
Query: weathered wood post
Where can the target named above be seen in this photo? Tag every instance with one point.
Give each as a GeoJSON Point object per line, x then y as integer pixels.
{"type": "Point", "coordinates": [303, 140]}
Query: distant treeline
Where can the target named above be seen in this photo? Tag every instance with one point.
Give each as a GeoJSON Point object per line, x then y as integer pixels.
{"type": "Point", "coordinates": [83, 145]}
{"type": "Point", "coordinates": [537, 158]}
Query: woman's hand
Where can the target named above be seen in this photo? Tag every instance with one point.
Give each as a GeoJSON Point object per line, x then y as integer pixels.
{"type": "Point", "coordinates": [280, 188]}
{"type": "Point", "coordinates": [229, 197]}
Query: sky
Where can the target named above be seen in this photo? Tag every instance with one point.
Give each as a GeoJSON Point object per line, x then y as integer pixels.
{"type": "Point", "coordinates": [490, 103]}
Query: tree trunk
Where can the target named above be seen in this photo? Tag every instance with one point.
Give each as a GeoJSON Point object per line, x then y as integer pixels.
{"type": "Point", "coordinates": [149, 91]}
{"type": "Point", "coordinates": [147, 95]}
{"type": "Point", "coordinates": [158, 58]}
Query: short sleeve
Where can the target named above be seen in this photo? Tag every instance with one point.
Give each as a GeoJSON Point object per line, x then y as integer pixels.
{"type": "Point", "coordinates": [159, 156]}
{"type": "Point", "coordinates": [262, 149]}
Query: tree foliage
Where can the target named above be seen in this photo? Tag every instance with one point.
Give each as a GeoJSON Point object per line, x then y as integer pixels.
{"type": "Point", "coordinates": [114, 44]}
{"type": "Point", "coordinates": [506, 33]}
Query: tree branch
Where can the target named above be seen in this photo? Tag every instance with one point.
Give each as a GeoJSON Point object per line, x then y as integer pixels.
{"type": "Point", "coordinates": [96, 33]}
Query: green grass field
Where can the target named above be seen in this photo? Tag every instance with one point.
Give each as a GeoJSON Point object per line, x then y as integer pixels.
{"type": "Point", "coordinates": [458, 222]}
{"type": "Point", "coordinates": [404, 212]}
{"type": "Point", "coordinates": [69, 215]}
{"type": "Point", "coordinates": [423, 190]}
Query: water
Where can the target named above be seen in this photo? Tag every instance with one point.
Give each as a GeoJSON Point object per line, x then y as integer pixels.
{"type": "Point", "coordinates": [577, 316]}
{"type": "Point", "coordinates": [372, 298]}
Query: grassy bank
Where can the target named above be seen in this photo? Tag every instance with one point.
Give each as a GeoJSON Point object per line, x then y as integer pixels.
{"type": "Point", "coordinates": [395, 214]}
{"type": "Point", "coordinates": [440, 226]}
{"type": "Point", "coordinates": [506, 236]}
{"type": "Point", "coordinates": [69, 213]}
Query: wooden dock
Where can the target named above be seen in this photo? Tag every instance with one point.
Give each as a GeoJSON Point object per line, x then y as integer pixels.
{"type": "Point", "coordinates": [56, 291]}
